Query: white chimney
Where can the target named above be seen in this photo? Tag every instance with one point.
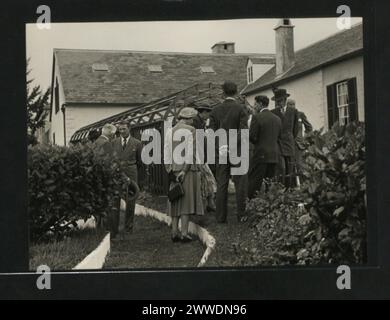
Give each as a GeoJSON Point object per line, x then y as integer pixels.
{"type": "Point", "coordinates": [284, 45]}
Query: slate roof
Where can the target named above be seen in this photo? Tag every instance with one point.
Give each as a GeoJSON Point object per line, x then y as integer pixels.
{"type": "Point", "coordinates": [129, 80]}
{"type": "Point", "coordinates": [337, 47]}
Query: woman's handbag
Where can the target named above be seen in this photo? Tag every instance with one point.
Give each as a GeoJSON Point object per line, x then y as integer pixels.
{"type": "Point", "coordinates": [176, 191]}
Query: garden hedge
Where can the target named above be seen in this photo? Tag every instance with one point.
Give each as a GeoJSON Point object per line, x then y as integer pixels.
{"type": "Point", "coordinates": [66, 184]}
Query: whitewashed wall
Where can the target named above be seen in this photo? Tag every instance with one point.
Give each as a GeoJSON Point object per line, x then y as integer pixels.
{"type": "Point", "coordinates": [57, 125]}
{"type": "Point", "coordinates": [258, 69]}
{"type": "Point", "coordinates": [78, 116]}
{"type": "Point", "coordinates": [307, 91]}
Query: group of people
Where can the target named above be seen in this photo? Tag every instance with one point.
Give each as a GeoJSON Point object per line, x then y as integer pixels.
{"type": "Point", "coordinates": [275, 151]}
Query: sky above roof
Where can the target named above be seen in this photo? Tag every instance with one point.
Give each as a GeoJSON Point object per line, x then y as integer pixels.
{"type": "Point", "coordinates": [249, 35]}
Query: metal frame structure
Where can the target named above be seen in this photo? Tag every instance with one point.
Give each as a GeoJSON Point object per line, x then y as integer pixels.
{"type": "Point", "coordinates": [158, 110]}
{"type": "Point", "coordinates": [153, 115]}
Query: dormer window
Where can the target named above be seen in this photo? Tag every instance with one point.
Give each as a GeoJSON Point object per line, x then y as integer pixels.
{"type": "Point", "coordinates": [100, 67]}
{"type": "Point", "coordinates": [207, 69]}
{"type": "Point", "coordinates": [250, 74]}
{"type": "Point", "coordinates": [155, 68]}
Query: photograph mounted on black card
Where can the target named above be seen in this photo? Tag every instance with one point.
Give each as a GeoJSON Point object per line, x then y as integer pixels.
{"type": "Point", "coordinates": [196, 144]}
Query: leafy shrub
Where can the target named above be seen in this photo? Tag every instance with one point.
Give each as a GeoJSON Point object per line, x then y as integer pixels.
{"type": "Point", "coordinates": [333, 228]}
{"type": "Point", "coordinates": [66, 184]}
{"type": "Point", "coordinates": [335, 191]}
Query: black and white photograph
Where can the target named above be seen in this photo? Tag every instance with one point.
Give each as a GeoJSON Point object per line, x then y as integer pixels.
{"type": "Point", "coordinates": [270, 168]}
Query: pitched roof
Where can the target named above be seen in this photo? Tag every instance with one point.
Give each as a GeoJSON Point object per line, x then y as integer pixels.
{"type": "Point", "coordinates": [129, 79]}
{"type": "Point", "coordinates": [334, 48]}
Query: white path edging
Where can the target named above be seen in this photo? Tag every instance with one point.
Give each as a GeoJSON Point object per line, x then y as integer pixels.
{"type": "Point", "coordinates": [96, 259]}
{"type": "Point", "coordinates": [204, 236]}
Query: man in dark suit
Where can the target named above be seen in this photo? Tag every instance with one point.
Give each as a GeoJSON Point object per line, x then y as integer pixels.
{"type": "Point", "coordinates": [229, 115]}
{"type": "Point", "coordinates": [264, 134]}
{"type": "Point", "coordinates": [101, 144]}
{"type": "Point", "coordinates": [300, 146]}
{"type": "Point", "coordinates": [289, 118]}
{"type": "Point", "coordinates": [127, 150]}
{"type": "Point", "coordinates": [102, 148]}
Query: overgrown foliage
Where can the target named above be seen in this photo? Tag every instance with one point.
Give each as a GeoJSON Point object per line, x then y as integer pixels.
{"type": "Point", "coordinates": [332, 227]}
{"type": "Point", "coordinates": [66, 184]}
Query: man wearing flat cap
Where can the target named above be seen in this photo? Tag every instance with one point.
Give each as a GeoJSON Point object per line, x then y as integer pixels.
{"type": "Point", "coordinates": [264, 133]}
{"type": "Point", "coordinates": [228, 115]}
{"type": "Point", "coordinates": [289, 118]}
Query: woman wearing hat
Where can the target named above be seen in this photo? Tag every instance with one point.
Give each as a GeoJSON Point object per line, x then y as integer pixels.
{"type": "Point", "coordinates": [187, 173]}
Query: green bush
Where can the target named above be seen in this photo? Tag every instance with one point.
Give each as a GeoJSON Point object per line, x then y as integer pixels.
{"type": "Point", "coordinates": [66, 184]}
{"type": "Point", "coordinates": [333, 228]}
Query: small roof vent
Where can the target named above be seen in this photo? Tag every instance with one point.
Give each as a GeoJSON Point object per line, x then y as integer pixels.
{"type": "Point", "coordinates": [207, 69]}
{"type": "Point", "coordinates": [100, 67]}
{"type": "Point", "coordinates": [155, 68]}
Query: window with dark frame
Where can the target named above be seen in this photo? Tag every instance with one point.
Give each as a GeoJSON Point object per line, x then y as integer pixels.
{"type": "Point", "coordinates": [250, 74]}
{"type": "Point", "coordinates": [56, 97]}
{"type": "Point", "coordinates": [342, 102]}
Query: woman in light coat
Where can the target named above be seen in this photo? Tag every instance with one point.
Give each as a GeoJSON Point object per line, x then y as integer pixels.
{"type": "Point", "coordinates": [180, 163]}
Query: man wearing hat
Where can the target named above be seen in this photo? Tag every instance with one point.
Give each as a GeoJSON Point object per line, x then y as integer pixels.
{"type": "Point", "coordinates": [264, 134]}
{"type": "Point", "coordinates": [202, 116]}
{"type": "Point", "coordinates": [127, 150]}
{"type": "Point", "coordinates": [289, 118]}
{"type": "Point", "coordinates": [230, 114]}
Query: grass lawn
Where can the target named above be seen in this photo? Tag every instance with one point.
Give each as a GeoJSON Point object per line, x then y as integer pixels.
{"type": "Point", "coordinates": [65, 254]}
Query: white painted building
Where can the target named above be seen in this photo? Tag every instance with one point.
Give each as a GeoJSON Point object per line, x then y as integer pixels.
{"type": "Point", "coordinates": [325, 79]}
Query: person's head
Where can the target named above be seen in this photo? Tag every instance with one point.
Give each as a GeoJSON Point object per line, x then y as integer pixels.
{"type": "Point", "coordinates": [229, 88]}
{"type": "Point", "coordinates": [124, 128]}
{"type": "Point", "coordinates": [204, 111]}
{"type": "Point", "coordinates": [109, 130]}
{"type": "Point", "coordinates": [280, 97]}
{"type": "Point", "coordinates": [291, 103]}
{"type": "Point", "coordinates": [261, 102]}
{"type": "Point", "coordinates": [187, 115]}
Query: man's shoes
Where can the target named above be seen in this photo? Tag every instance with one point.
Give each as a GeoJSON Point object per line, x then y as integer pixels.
{"type": "Point", "coordinates": [186, 238]}
{"type": "Point", "coordinates": [211, 208]}
{"type": "Point", "coordinates": [175, 238]}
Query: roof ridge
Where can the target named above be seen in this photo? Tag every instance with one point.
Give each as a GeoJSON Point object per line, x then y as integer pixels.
{"type": "Point", "coordinates": [263, 55]}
